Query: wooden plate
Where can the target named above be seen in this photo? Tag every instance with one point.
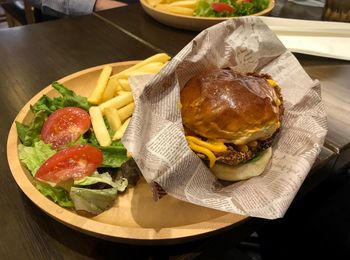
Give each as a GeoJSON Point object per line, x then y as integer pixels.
{"type": "Point", "coordinates": [135, 217]}
{"type": "Point", "coordinates": [192, 23]}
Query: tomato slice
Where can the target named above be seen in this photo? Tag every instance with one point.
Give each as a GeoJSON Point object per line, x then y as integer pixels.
{"type": "Point", "coordinates": [222, 7]}
{"type": "Point", "coordinates": [65, 125]}
{"type": "Point", "coordinates": [74, 162]}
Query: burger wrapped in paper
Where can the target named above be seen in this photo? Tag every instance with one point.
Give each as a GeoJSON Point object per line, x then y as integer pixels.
{"type": "Point", "coordinates": [230, 120]}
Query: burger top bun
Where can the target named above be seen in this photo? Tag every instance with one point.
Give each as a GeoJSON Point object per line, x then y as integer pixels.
{"type": "Point", "coordinates": [242, 171]}
{"type": "Point", "coordinates": [226, 105]}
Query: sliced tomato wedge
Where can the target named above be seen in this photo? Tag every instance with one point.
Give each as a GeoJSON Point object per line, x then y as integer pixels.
{"type": "Point", "coordinates": [65, 125]}
{"type": "Point", "coordinates": [71, 163]}
{"type": "Point", "coordinates": [222, 7]}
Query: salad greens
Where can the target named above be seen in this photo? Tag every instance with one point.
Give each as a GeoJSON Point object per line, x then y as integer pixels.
{"type": "Point", "coordinates": [96, 201]}
{"type": "Point", "coordinates": [34, 156]}
{"type": "Point", "coordinates": [96, 178]}
{"type": "Point", "coordinates": [93, 194]}
{"type": "Point", "coordinates": [29, 134]}
{"type": "Point", "coordinates": [240, 8]}
{"type": "Point", "coordinates": [114, 155]}
{"type": "Point", "coordinates": [93, 201]}
{"type": "Point", "coordinates": [56, 194]}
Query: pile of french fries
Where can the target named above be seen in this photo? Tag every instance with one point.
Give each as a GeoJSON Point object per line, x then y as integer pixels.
{"type": "Point", "coordinates": [182, 7]}
{"type": "Point", "coordinates": [112, 98]}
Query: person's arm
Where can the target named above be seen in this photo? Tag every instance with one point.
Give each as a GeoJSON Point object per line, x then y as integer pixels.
{"type": "Point", "coordinates": [107, 4]}
{"type": "Point", "coordinates": [73, 7]}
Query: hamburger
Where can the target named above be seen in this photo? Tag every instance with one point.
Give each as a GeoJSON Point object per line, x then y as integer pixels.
{"type": "Point", "coordinates": [230, 120]}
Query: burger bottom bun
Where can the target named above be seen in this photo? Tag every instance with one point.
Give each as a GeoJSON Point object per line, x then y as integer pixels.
{"type": "Point", "coordinates": [243, 171]}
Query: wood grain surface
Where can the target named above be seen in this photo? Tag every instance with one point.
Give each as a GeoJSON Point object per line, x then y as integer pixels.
{"type": "Point", "coordinates": [145, 28]}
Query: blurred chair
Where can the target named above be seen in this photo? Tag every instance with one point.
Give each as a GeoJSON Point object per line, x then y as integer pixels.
{"type": "Point", "coordinates": [21, 12]}
{"type": "Point", "coordinates": [2, 15]}
{"type": "Point", "coordinates": [17, 12]}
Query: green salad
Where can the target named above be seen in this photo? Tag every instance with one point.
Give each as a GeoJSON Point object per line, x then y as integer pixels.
{"type": "Point", "coordinates": [60, 150]}
{"type": "Point", "coordinates": [229, 8]}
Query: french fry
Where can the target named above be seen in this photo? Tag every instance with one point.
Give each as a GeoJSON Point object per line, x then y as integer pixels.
{"type": "Point", "coordinates": [99, 126]}
{"type": "Point", "coordinates": [118, 88]}
{"type": "Point", "coordinates": [96, 95]}
{"type": "Point", "coordinates": [117, 102]}
{"type": "Point", "coordinates": [185, 3]}
{"type": "Point", "coordinates": [156, 2]}
{"type": "Point", "coordinates": [124, 83]}
{"type": "Point", "coordinates": [126, 111]}
{"type": "Point", "coordinates": [113, 98]}
{"type": "Point", "coordinates": [175, 9]}
{"type": "Point", "coordinates": [167, 1]}
{"type": "Point", "coordinates": [109, 90]}
{"type": "Point", "coordinates": [153, 2]}
{"type": "Point", "coordinates": [113, 118]}
{"type": "Point", "coordinates": [142, 72]}
{"type": "Point", "coordinates": [123, 92]}
{"type": "Point", "coordinates": [120, 132]}
{"type": "Point", "coordinates": [152, 64]}
{"type": "Point", "coordinates": [150, 68]}
{"type": "Point", "coordinates": [160, 57]}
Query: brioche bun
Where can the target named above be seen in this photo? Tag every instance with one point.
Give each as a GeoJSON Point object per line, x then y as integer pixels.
{"type": "Point", "coordinates": [242, 171]}
{"type": "Point", "coordinates": [226, 105]}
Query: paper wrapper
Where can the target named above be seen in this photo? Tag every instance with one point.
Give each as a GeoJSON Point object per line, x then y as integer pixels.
{"type": "Point", "coordinates": [155, 136]}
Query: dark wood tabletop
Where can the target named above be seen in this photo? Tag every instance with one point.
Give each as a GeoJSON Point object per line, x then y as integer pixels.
{"type": "Point", "coordinates": [35, 55]}
{"type": "Point", "coordinates": [31, 58]}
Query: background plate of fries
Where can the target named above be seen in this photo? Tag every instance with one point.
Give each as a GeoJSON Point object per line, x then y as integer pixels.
{"type": "Point", "coordinates": [179, 14]}
{"type": "Point", "coordinates": [135, 217]}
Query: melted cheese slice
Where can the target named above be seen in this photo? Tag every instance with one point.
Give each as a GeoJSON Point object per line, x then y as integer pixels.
{"type": "Point", "coordinates": [274, 84]}
{"type": "Point", "coordinates": [214, 146]}
{"type": "Point", "coordinates": [206, 147]}
{"type": "Point", "coordinates": [205, 151]}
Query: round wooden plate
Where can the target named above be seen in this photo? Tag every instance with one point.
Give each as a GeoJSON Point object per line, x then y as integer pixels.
{"type": "Point", "coordinates": [135, 216]}
{"type": "Point", "coordinates": [193, 23]}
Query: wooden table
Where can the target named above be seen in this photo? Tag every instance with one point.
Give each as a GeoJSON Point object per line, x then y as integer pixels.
{"type": "Point", "coordinates": [35, 55]}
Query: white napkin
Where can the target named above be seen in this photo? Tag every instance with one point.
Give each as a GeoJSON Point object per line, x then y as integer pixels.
{"type": "Point", "coordinates": [319, 38]}
{"type": "Point", "coordinates": [313, 3]}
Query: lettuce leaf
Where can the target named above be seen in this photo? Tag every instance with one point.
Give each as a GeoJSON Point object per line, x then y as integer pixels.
{"type": "Point", "coordinates": [96, 201]}
{"type": "Point", "coordinates": [204, 9]}
{"type": "Point", "coordinates": [246, 8]}
{"type": "Point", "coordinates": [56, 194]}
{"type": "Point", "coordinates": [93, 201]}
{"type": "Point", "coordinates": [34, 157]}
{"type": "Point", "coordinates": [106, 178]}
{"type": "Point", "coordinates": [29, 134]}
{"type": "Point", "coordinates": [69, 98]}
{"type": "Point", "coordinates": [114, 155]}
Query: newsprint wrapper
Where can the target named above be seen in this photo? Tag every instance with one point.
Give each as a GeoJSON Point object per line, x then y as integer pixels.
{"type": "Point", "coordinates": [155, 136]}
